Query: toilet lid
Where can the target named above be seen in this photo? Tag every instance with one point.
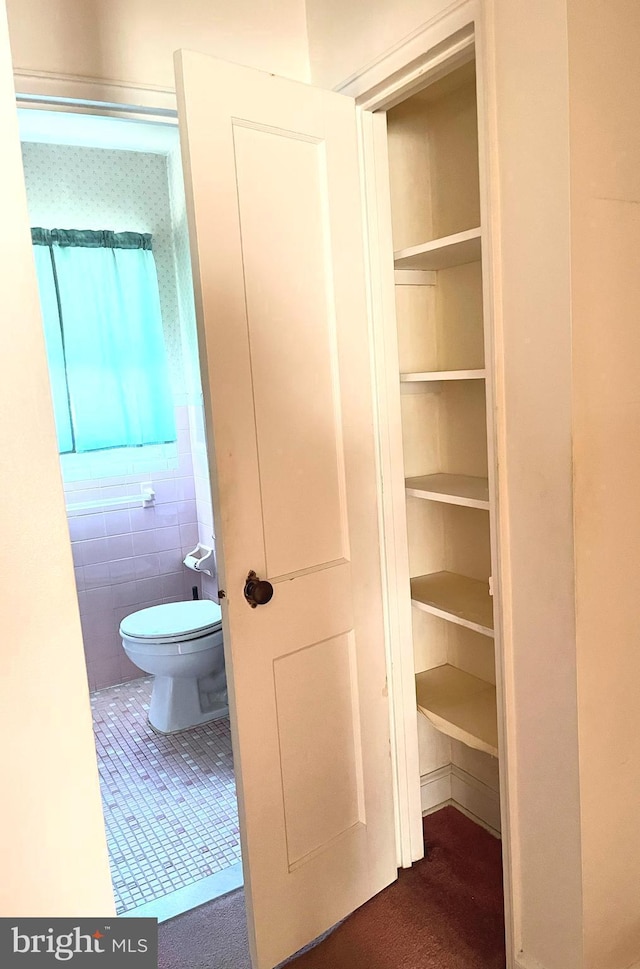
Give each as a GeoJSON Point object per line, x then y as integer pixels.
{"type": "Point", "coordinates": [173, 620]}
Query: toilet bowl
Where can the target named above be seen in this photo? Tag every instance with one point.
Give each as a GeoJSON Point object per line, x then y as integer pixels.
{"type": "Point", "coordinates": [181, 644]}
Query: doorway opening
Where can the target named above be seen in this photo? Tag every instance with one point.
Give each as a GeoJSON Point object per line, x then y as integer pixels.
{"type": "Point", "coordinates": [139, 508]}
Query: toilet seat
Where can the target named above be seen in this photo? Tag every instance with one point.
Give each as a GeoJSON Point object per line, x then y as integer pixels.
{"type": "Point", "coordinates": [173, 622]}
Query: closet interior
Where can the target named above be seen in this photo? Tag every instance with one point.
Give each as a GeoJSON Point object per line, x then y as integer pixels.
{"type": "Point", "coordinates": [437, 242]}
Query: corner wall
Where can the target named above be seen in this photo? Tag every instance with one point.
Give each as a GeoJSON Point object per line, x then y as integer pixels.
{"type": "Point", "coordinates": [52, 840]}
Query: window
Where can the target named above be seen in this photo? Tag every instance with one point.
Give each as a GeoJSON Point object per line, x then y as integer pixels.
{"type": "Point", "coordinates": [103, 333]}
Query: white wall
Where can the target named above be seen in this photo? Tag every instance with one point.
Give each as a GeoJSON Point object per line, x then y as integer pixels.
{"type": "Point", "coordinates": [134, 40]}
{"type": "Point", "coordinates": [52, 841]}
{"type": "Point", "coordinates": [570, 231]}
{"type": "Point", "coordinates": [605, 250]}
{"type": "Point", "coordinates": [530, 148]}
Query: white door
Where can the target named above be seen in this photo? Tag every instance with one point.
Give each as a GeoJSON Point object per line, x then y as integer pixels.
{"type": "Point", "coordinates": [272, 181]}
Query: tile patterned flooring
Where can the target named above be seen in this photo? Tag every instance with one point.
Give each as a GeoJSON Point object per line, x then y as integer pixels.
{"type": "Point", "coordinates": [169, 802]}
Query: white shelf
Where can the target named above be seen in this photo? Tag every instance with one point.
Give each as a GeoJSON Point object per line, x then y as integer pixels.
{"type": "Point", "coordinates": [460, 706]}
{"type": "Point", "coordinates": [454, 489]}
{"type": "Point", "coordinates": [455, 250]}
{"type": "Point", "coordinates": [456, 598]}
{"type": "Point", "coordinates": [412, 378]}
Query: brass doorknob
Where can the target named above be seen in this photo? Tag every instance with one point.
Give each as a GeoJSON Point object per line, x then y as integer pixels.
{"type": "Point", "coordinates": [257, 591]}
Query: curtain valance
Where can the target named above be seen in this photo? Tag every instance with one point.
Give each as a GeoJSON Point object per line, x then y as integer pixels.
{"type": "Point", "coordinates": [91, 238]}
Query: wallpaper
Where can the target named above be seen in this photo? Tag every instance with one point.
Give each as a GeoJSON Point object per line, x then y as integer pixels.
{"type": "Point", "coordinates": [95, 188]}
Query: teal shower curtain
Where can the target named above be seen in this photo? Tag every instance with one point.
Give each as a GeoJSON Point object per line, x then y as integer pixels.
{"type": "Point", "coordinates": [103, 331]}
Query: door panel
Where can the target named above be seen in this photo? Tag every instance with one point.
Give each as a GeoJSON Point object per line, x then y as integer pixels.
{"type": "Point", "coordinates": [281, 184]}
{"type": "Point", "coordinates": [318, 723]}
{"type": "Point", "coordinates": [272, 185]}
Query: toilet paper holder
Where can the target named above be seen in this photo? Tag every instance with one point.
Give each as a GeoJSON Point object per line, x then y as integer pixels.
{"type": "Point", "coordinates": [200, 559]}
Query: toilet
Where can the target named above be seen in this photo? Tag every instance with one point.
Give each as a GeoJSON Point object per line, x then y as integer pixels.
{"type": "Point", "coordinates": [181, 644]}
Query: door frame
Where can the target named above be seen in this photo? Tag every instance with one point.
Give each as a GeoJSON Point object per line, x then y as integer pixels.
{"type": "Point", "coordinates": [447, 41]}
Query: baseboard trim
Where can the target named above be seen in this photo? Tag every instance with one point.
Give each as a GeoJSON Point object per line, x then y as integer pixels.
{"type": "Point", "coordinates": [477, 798]}
{"type": "Point", "coordinates": [453, 785]}
{"type": "Point", "coordinates": [435, 789]}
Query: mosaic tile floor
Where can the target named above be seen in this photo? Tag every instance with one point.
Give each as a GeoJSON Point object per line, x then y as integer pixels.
{"type": "Point", "coordinates": [169, 802]}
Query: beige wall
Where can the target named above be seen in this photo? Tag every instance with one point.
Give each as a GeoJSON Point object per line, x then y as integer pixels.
{"type": "Point", "coordinates": [52, 841]}
{"type": "Point", "coordinates": [344, 36]}
{"type": "Point", "coordinates": [605, 252]}
{"type": "Point", "coordinates": [531, 207]}
{"type": "Point", "coordinates": [134, 40]}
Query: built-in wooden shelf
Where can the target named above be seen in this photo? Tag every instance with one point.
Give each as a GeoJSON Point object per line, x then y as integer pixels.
{"type": "Point", "coordinates": [453, 489]}
{"type": "Point", "coordinates": [442, 253]}
{"type": "Point", "coordinates": [456, 598]}
{"type": "Point", "coordinates": [415, 277]}
{"type": "Point", "coordinates": [459, 705]}
{"type": "Point", "coordinates": [428, 375]}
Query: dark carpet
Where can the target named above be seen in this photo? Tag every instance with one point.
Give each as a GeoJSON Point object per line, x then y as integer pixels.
{"type": "Point", "coordinates": [446, 912]}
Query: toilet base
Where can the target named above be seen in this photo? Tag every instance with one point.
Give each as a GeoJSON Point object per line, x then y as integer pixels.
{"type": "Point", "coordinates": [178, 702]}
